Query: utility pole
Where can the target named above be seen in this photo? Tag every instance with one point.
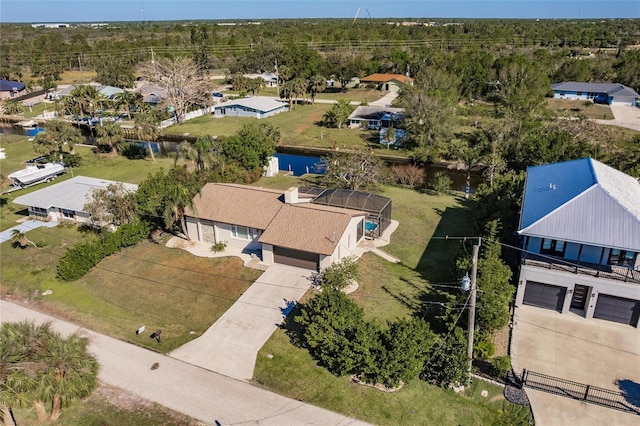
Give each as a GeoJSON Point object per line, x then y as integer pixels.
{"type": "Point", "coordinates": [472, 303]}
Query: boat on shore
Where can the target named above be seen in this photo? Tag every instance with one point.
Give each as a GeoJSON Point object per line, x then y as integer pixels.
{"type": "Point", "coordinates": [36, 173]}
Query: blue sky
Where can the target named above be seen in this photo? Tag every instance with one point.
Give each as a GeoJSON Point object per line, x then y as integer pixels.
{"type": "Point", "coordinates": [155, 10]}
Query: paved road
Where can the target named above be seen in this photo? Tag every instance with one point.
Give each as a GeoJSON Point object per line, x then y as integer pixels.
{"type": "Point", "coordinates": [201, 394]}
{"type": "Point", "coordinates": [231, 344]}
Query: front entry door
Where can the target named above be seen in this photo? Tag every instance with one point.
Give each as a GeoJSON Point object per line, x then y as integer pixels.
{"type": "Point", "coordinates": [579, 298]}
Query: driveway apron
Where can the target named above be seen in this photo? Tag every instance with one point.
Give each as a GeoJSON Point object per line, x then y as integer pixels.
{"type": "Point", "coordinates": [231, 344]}
{"type": "Point", "coordinates": [589, 351]}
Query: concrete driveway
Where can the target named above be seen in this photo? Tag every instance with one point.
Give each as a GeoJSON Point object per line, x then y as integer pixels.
{"type": "Point", "coordinates": [231, 344]}
{"type": "Point", "coordinates": [588, 351]}
{"type": "Point", "coordinates": [25, 226]}
{"type": "Point", "coordinates": [625, 116]}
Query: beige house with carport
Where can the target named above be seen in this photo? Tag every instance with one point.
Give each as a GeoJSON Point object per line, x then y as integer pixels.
{"type": "Point", "coordinates": [282, 227]}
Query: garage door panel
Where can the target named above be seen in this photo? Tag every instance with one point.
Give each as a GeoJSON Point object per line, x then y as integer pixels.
{"type": "Point", "coordinates": [544, 295]}
{"type": "Point", "coordinates": [297, 258]}
{"type": "Point", "coordinates": [617, 309]}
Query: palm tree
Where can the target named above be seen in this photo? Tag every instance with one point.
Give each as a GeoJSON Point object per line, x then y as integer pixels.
{"type": "Point", "coordinates": [299, 87]}
{"type": "Point", "coordinates": [390, 136]}
{"type": "Point", "coordinates": [72, 373]}
{"type": "Point", "coordinates": [177, 201]}
{"type": "Point", "coordinates": [147, 130]}
{"type": "Point", "coordinates": [317, 84]}
{"type": "Point", "coordinates": [111, 135]}
{"type": "Point", "coordinates": [21, 239]}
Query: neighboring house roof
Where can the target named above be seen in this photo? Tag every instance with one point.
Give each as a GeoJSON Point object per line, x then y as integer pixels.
{"type": "Point", "coordinates": [267, 76]}
{"type": "Point", "coordinates": [374, 113]}
{"type": "Point", "coordinates": [242, 205]}
{"type": "Point", "coordinates": [611, 89]}
{"type": "Point", "coordinates": [109, 91]}
{"type": "Point", "coordinates": [582, 201]}
{"type": "Point", "coordinates": [71, 194]}
{"type": "Point", "coordinates": [258, 103]}
{"type": "Point", "coordinates": [383, 78]}
{"type": "Point", "coordinates": [307, 228]}
{"type": "Point", "coordinates": [151, 89]}
{"type": "Point", "coordinates": [11, 86]}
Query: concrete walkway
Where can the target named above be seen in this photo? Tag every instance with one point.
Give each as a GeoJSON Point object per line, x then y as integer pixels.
{"type": "Point", "coordinates": [589, 351]}
{"type": "Point", "coordinates": [386, 100]}
{"type": "Point", "coordinates": [25, 226]}
{"type": "Point", "coordinates": [231, 344]}
{"type": "Point", "coordinates": [203, 395]}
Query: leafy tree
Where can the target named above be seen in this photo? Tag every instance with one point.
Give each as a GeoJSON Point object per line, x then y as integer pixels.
{"type": "Point", "coordinates": [343, 67]}
{"type": "Point", "coordinates": [352, 170]}
{"type": "Point", "coordinates": [550, 145]}
{"type": "Point", "coordinates": [626, 69]}
{"type": "Point", "coordinates": [111, 134]}
{"type": "Point", "coordinates": [250, 147]}
{"type": "Point", "coordinates": [129, 102]}
{"type": "Point", "coordinates": [440, 183]}
{"type": "Point", "coordinates": [112, 205]}
{"type": "Point", "coordinates": [201, 40]}
{"type": "Point", "coordinates": [183, 82]}
{"type": "Point", "coordinates": [57, 135]}
{"type": "Point", "coordinates": [44, 367]}
{"type": "Point", "coordinates": [338, 115]}
{"type": "Point", "coordinates": [447, 363]}
{"type": "Point", "coordinates": [254, 85]}
{"type": "Point", "coordinates": [12, 107]}
{"type": "Point", "coordinates": [390, 136]}
{"type": "Point", "coordinates": [338, 275]}
{"type": "Point", "coordinates": [162, 198]}
{"type": "Point", "coordinates": [331, 322]}
{"type": "Point", "coordinates": [114, 70]}
{"type": "Point", "coordinates": [407, 345]}
{"type": "Point", "coordinates": [204, 154]}
{"type": "Point", "coordinates": [494, 289]}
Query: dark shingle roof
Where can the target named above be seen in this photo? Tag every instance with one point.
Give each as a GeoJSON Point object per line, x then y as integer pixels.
{"type": "Point", "coordinates": [611, 89]}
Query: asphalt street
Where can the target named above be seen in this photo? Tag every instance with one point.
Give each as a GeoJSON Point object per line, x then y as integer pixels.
{"type": "Point", "coordinates": [201, 394]}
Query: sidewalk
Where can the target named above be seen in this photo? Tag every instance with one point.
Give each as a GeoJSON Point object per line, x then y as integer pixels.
{"type": "Point", "coordinates": [193, 391]}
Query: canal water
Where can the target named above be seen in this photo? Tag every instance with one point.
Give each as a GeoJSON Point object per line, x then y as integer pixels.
{"type": "Point", "coordinates": [298, 165]}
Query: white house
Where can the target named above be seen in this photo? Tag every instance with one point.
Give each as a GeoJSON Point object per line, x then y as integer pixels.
{"type": "Point", "coordinates": [65, 201]}
{"type": "Point", "coordinates": [256, 107]}
{"type": "Point", "coordinates": [283, 226]}
{"type": "Point", "coordinates": [580, 225]}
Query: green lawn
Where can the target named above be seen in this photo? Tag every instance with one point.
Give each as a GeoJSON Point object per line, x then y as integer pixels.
{"type": "Point", "coordinates": [299, 127]}
{"type": "Point", "coordinates": [19, 149]}
{"type": "Point", "coordinates": [292, 372]}
{"type": "Point", "coordinates": [576, 108]}
{"type": "Point", "coordinates": [147, 284]}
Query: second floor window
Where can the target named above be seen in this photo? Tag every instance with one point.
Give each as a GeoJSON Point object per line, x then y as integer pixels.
{"type": "Point", "coordinates": [552, 247]}
{"type": "Point", "coordinates": [622, 258]}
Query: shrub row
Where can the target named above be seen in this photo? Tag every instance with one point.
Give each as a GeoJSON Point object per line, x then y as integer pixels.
{"type": "Point", "coordinates": [334, 331]}
{"type": "Point", "coordinates": [79, 260]}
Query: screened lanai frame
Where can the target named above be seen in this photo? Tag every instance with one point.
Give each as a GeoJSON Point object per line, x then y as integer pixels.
{"type": "Point", "coordinates": [377, 207]}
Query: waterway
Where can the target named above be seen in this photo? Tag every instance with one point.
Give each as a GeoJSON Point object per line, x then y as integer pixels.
{"type": "Point", "coordinates": [296, 164]}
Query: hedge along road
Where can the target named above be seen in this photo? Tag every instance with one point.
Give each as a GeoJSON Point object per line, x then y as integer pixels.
{"type": "Point", "coordinates": [201, 394]}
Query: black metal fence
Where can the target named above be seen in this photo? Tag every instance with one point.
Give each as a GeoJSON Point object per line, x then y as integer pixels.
{"type": "Point", "coordinates": [581, 392]}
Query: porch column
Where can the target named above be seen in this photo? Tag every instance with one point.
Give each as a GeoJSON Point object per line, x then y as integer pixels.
{"type": "Point", "coordinates": [579, 254]}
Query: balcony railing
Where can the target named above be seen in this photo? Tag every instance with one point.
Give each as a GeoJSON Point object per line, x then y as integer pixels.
{"type": "Point", "coordinates": [611, 272]}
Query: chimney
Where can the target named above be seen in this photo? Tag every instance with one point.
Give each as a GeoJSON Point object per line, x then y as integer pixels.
{"type": "Point", "coordinates": [291, 195]}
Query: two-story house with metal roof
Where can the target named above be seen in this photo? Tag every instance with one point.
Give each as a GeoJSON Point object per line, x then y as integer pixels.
{"type": "Point", "coordinates": [580, 226]}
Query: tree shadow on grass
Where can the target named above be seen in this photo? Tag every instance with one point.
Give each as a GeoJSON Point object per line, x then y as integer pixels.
{"type": "Point", "coordinates": [292, 329]}
{"type": "Point", "coordinates": [437, 262]}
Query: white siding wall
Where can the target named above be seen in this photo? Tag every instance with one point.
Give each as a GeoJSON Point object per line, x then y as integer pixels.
{"type": "Point", "coordinates": [267, 254]}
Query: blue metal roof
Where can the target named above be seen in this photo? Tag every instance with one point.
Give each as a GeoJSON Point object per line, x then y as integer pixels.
{"type": "Point", "coordinates": [551, 185]}
{"type": "Point", "coordinates": [8, 86]}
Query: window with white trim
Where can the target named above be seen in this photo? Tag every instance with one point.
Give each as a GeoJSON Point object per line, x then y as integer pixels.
{"type": "Point", "coordinates": [69, 214]}
{"type": "Point", "coordinates": [242, 232]}
{"type": "Point", "coordinates": [39, 211]}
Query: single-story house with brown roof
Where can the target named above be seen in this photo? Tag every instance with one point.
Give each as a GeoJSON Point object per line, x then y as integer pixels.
{"type": "Point", "coordinates": [284, 226]}
{"type": "Point", "coordinates": [388, 82]}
